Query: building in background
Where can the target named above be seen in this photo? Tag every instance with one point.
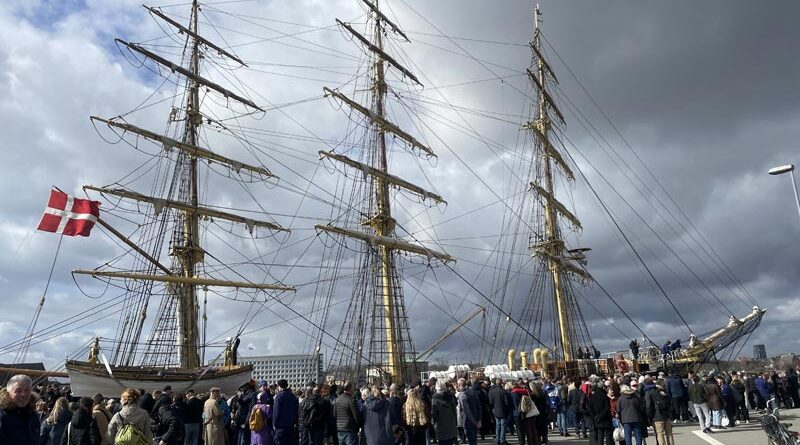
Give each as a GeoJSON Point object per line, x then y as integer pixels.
{"type": "Point", "coordinates": [298, 370]}
{"type": "Point", "coordinates": [759, 352]}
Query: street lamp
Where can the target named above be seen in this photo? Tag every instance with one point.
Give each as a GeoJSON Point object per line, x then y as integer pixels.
{"type": "Point", "coordinates": [788, 169]}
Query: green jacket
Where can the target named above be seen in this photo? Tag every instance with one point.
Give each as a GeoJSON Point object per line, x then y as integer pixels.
{"type": "Point", "coordinates": [697, 393]}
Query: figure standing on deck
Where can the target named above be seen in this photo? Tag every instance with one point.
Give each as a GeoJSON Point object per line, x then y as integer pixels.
{"type": "Point", "coordinates": [634, 345]}
{"type": "Point", "coordinates": [94, 351]}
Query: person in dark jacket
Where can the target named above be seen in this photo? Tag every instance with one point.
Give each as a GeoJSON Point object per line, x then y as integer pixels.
{"type": "Point", "coordinates": [677, 392]}
{"type": "Point", "coordinates": [395, 407]}
{"type": "Point", "coordinates": [599, 408]}
{"type": "Point", "coordinates": [469, 410]}
{"type": "Point", "coordinates": [764, 390]}
{"type": "Point", "coordinates": [631, 414]}
{"type": "Point", "coordinates": [284, 414]}
{"type": "Point", "coordinates": [19, 423]}
{"type": "Point", "coordinates": [348, 416]}
{"type": "Point", "coordinates": [443, 413]}
{"type": "Point", "coordinates": [714, 402]}
{"type": "Point", "coordinates": [792, 386]}
{"type": "Point", "coordinates": [82, 429]}
{"type": "Point", "coordinates": [739, 390]}
{"type": "Point", "coordinates": [481, 391]}
{"type": "Point", "coordinates": [575, 403]}
{"type": "Point", "coordinates": [500, 399]}
{"type": "Point", "coordinates": [146, 401]}
{"type": "Point", "coordinates": [192, 418]}
{"type": "Point", "coordinates": [698, 395]}
{"type": "Point", "coordinates": [658, 407]}
{"type": "Point", "coordinates": [728, 401]}
{"type": "Point", "coordinates": [245, 404]}
{"type": "Point", "coordinates": [170, 426]}
{"type": "Point", "coordinates": [315, 416]}
{"type": "Point", "coordinates": [377, 425]}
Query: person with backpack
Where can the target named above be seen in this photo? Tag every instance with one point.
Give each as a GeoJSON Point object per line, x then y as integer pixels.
{"type": "Point", "coordinates": [102, 417]}
{"type": "Point", "coordinates": [315, 416]}
{"type": "Point", "coordinates": [260, 420]}
{"type": "Point", "coordinates": [82, 429]}
{"type": "Point", "coordinates": [131, 425]}
{"type": "Point", "coordinates": [659, 412]}
{"type": "Point", "coordinates": [631, 414]}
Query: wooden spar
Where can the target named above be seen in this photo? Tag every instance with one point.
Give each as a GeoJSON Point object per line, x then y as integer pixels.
{"type": "Point", "coordinates": [565, 264]}
{"type": "Point", "coordinates": [387, 241]}
{"type": "Point", "coordinates": [380, 120]}
{"type": "Point", "coordinates": [557, 205]}
{"type": "Point", "coordinates": [550, 102]}
{"type": "Point", "coordinates": [200, 38]}
{"type": "Point", "coordinates": [383, 17]}
{"type": "Point", "coordinates": [551, 151]}
{"type": "Point", "coordinates": [33, 372]}
{"type": "Point", "coordinates": [133, 246]}
{"type": "Point", "coordinates": [195, 281]}
{"type": "Point", "coordinates": [184, 147]}
{"type": "Point", "coordinates": [204, 211]}
{"type": "Point", "coordinates": [199, 79]}
{"type": "Point", "coordinates": [544, 62]}
{"type": "Point", "coordinates": [367, 170]}
{"type": "Point", "coordinates": [380, 52]}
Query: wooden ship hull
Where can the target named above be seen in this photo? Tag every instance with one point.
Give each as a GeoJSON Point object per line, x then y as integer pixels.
{"type": "Point", "coordinates": [87, 379]}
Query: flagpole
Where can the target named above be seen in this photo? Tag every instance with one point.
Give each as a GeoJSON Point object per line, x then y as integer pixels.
{"type": "Point", "coordinates": [20, 358]}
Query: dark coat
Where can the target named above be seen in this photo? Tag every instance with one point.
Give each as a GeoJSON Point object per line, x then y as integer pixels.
{"type": "Point", "coordinates": [500, 399]}
{"type": "Point", "coordinates": [714, 396]}
{"type": "Point", "coordinates": [194, 411]}
{"type": "Point", "coordinates": [675, 388]}
{"type": "Point", "coordinates": [377, 425]}
{"type": "Point", "coordinates": [443, 413]}
{"type": "Point", "coordinates": [698, 393]}
{"type": "Point", "coordinates": [347, 414]}
{"type": "Point", "coordinates": [82, 430]}
{"type": "Point", "coordinates": [629, 408]}
{"type": "Point", "coordinates": [246, 403]}
{"type": "Point", "coordinates": [314, 411]}
{"type": "Point", "coordinates": [18, 425]}
{"type": "Point", "coordinates": [285, 410]}
{"type": "Point", "coordinates": [658, 406]}
{"type": "Point", "coordinates": [170, 426]}
{"type": "Point", "coordinates": [395, 410]}
{"type": "Point", "coordinates": [764, 388]}
{"type": "Point", "coordinates": [599, 408]}
{"type": "Point", "coordinates": [470, 410]}
{"type": "Point", "coordinates": [147, 402]}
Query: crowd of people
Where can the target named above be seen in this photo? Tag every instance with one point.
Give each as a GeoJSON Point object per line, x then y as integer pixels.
{"type": "Point", "coordinates": [625, 408]}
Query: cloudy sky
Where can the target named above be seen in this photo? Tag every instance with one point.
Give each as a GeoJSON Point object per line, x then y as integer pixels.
{"type": "Point", "coordinates": [675, 111]}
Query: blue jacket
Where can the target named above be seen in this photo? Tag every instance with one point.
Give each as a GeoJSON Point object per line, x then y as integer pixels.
{"type": "Point", "coordinates": [285, 410]}
{"type": "Point", "coordinates": [675, 388]}
{"type": "Point", "coordinates": [764, 388]}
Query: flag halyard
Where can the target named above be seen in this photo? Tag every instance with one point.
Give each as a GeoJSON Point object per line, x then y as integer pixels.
{"type": "Point", "coordinates": [68, 215]}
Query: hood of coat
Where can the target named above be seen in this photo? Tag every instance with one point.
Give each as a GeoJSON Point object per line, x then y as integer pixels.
{"type": "Point", "coordinates": [7, 403]}
{"type": "Point", "coordinates": [446, 397]}
{"type": "Point", "coordinates": [627, 391]}
{"type": "Point", "coordinates": [134, 414]}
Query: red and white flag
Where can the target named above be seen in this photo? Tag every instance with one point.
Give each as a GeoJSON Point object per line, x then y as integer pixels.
{"type": "Point", "coordinates": [68, 215]}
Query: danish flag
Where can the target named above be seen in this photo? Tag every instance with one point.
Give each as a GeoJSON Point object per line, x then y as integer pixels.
{"type": "Point", "coordinates": [68, 215]}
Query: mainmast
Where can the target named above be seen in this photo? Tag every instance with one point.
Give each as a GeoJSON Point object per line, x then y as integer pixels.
{"type": "Point", "coordinates": [389, 349]}
{"type": "Point", "coordinates": [551, 247]}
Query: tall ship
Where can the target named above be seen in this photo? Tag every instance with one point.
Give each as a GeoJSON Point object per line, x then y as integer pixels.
{"type": "Point", "coordinates": [549, 332]}
{"type": "Point", "coordinates": [172, 257]}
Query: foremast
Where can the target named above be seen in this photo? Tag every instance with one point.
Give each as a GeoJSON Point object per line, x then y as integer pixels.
{"type": "Point", "coordinates": [392, 357]}
{"type": "Point", "coordinates": [182, 279]}
{"type": "Point", "coordinates": [551, 248]}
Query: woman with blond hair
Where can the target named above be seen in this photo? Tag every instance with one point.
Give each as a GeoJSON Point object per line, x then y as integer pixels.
{"type": "Point", "coordinates": [56, 423]}
{"type": "Point", "coordinates": [130, 414]}
{"type": "Point", "coordinates": [415, 417]}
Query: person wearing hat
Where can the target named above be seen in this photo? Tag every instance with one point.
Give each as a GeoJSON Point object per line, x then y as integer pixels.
{"type": "Point", "coordinates": [214, 423]}
{"type": "Point", "coordinates": [285, 411]}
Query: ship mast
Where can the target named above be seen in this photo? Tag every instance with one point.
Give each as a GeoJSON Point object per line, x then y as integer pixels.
{"type": "Point", "coordinates": [183, 278]}
{"type": "Point", "coordinates": [561, 263]}
{"type": "Point", "coordinates": [382, 222]}
{"type": "Point", "coordinates": [391, 349]}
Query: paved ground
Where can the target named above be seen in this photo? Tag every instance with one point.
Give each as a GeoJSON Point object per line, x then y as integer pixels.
{"type": "Point", "coordinates": [687, 434]}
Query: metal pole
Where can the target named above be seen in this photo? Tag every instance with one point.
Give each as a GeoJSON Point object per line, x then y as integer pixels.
{"type": "Point", "coordinates": [794, 188]}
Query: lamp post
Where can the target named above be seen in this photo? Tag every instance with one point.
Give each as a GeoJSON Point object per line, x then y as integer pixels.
{"type": "Point", "coordinates": [788, 169]}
